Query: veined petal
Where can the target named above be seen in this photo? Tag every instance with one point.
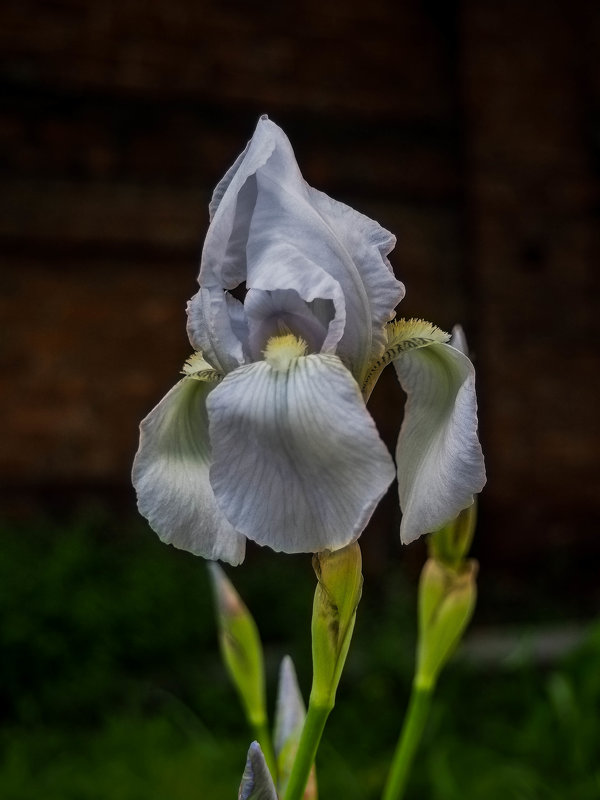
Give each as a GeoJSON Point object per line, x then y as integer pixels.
{"type": "Point", "coordinates": [217, 327]}
{"type": "Point", "coordinates": [170, 474]}
{"type": "Point", "coordinates": [368, 244]}
{"type": "Point", "coordinates": [298, 464]}
{"type": "Point", "coordinates": [439, 458]}
{"type": "Point", "coordinates": [272, 230]}
{"type": "Point", "coordinates": [223, 261]}
{"type": "Point", "coordinates": [270, 312]}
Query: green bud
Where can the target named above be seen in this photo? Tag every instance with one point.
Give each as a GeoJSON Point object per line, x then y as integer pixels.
{"type": "Point", "coordinates": [334, 613]}
{"type": "Point", "coordinates": [241, 647]}
{"type": "Point", "coordinates": [450, 544]}
{"type": "Point", "coordinates": [446, 603]}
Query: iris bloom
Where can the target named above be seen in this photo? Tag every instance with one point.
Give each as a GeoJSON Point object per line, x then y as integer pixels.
{"type": "Point", "coordinates": [267, 435]}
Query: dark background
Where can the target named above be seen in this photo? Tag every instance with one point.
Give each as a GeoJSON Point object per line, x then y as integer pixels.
{"type": "Point", "coordinates": [471, 130]}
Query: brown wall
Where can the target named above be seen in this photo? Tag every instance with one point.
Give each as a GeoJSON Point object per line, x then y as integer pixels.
{"type": "Point", "coordinates": [472, 130]}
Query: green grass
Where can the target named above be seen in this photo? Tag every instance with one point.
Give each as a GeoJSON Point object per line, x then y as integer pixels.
{"type": "Point", "coordinates": [111, 685]}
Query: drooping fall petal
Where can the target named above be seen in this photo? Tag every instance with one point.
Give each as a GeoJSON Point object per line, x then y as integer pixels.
{"type": "Point", "coordinates": [170, 474]}
{"type": "Point", "coordinates": [439, 459]}
{"type": "Point", "coordinates": [297, 461]}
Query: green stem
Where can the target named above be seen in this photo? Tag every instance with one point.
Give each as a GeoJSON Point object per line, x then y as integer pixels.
{"type": "Point", "coordinates": [316, 717]}
{"type": "Point", "coordinates": [263, 737]}
{"type": "Point", "coordinates": [410, 736]}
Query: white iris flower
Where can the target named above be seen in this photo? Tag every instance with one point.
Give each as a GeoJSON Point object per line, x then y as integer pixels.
{"type": "Point", "coordinates": [267, 437]}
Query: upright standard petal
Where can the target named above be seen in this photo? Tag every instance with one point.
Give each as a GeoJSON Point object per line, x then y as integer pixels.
{"type": "Point", "coordinates": [369, 244]}
{"type": "Point", "coordinates": [170, 474]}
{"type": "Point", "coordinates": [439, 458]}
{"type": "Point", "coordinates": [273, 231]}
{"type": "Point", "coordinates": [298, 464]}
{"type": "Point", "coordinates": [273, 313]}
{"type": "Point", "coordinates": [231, 209]}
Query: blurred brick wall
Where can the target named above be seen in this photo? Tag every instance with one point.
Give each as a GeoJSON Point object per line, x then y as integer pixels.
{"type": "Point", "coordinates": [471, 130]}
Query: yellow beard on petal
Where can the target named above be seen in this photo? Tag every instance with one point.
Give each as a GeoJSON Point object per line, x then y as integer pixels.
{"type": "Point", "coordinates": [197, 367]}
{"type": "Point", "coordinates": [281, 351]}
{"type": "Point", "coordinates": [402, 335]}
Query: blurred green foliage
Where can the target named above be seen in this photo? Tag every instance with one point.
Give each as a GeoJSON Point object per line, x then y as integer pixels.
{"type": "Point", "coordinates": [111, 685]}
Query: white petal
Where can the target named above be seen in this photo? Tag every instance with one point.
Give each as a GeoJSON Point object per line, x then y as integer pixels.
{"type": "Point", "coordinates": [298, 464]}
{"type": "Point", "coordinates": [439, 458]}
{"type": "Point", "coordinates": [368, 244]}
{"type": "Point", "coordinates": [257, 783]}
{"type": "Point", "coordinates": [224, 255]}
{"type": "Point", "coordinates": [276, 233]}
{"type": "Point", "coordinates": [216, 326]}
{"type": "Point", "coordinates": [267, 312]}
{"type": "Point", "coordinates": [170, 474]}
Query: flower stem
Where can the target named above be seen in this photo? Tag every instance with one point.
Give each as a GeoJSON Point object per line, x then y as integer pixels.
{"type": "Point", "coordinates": [410, 736]}
{"type": "Point", "coordinates": [314, 724]}
{"type": "Point", "coordinates": [263, 737]}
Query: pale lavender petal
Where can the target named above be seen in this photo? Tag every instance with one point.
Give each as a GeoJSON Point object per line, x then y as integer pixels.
{"type": "Point", "coordinates": [171, 476]}
{"type": "Point", "coordinates": [298, 464]}
{"type": "Point", "coordinates": [217, 327]}
{"type": "Point", "coordinates": [272, 313]}
{"type": "Point", "coordinates": [369, 244]}
{"type": "Point", "coordinates": [439, 458]}
{"type": "Point", "coordinates": [272, 230]}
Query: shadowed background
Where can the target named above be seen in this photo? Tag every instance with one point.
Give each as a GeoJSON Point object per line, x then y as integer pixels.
{"type": "Point", "coordinates": [471, 130]}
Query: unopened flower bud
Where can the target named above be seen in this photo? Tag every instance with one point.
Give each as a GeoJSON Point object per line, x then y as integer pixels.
{"type": "Point", "coordinates": [334, 614]}
{"type": "Point", "coordinates": [241, 647]}
{"type": "Point", "coordinates": [290, 714]}
{"type": "Point", "coordinates": [257, 783]}
{"type": "Point", "coordinates": [450, 544]}
{"type": "Point", "coordinates": [446, 603]}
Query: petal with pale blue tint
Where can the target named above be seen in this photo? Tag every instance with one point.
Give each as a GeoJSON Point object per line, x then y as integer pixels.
{"type": "Point", "coordinates": [273, 231]}
{"type": "Point", "coordinates": [298, 464]}
{"type": "Point", "coordinates": [283, 310]}
{"type": "Point", "coordinates": [369, 244]}
{"type": "Point", "coordinates": [223, 261]}
{"type": "Point", "coordinates": [439, 459]}
{"type": "Point", "coordinates": [217, 327]}
{"type": "Point", "coordinates": [171, 476]}
{"type": "Point", "coordinates": [257, 783]}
